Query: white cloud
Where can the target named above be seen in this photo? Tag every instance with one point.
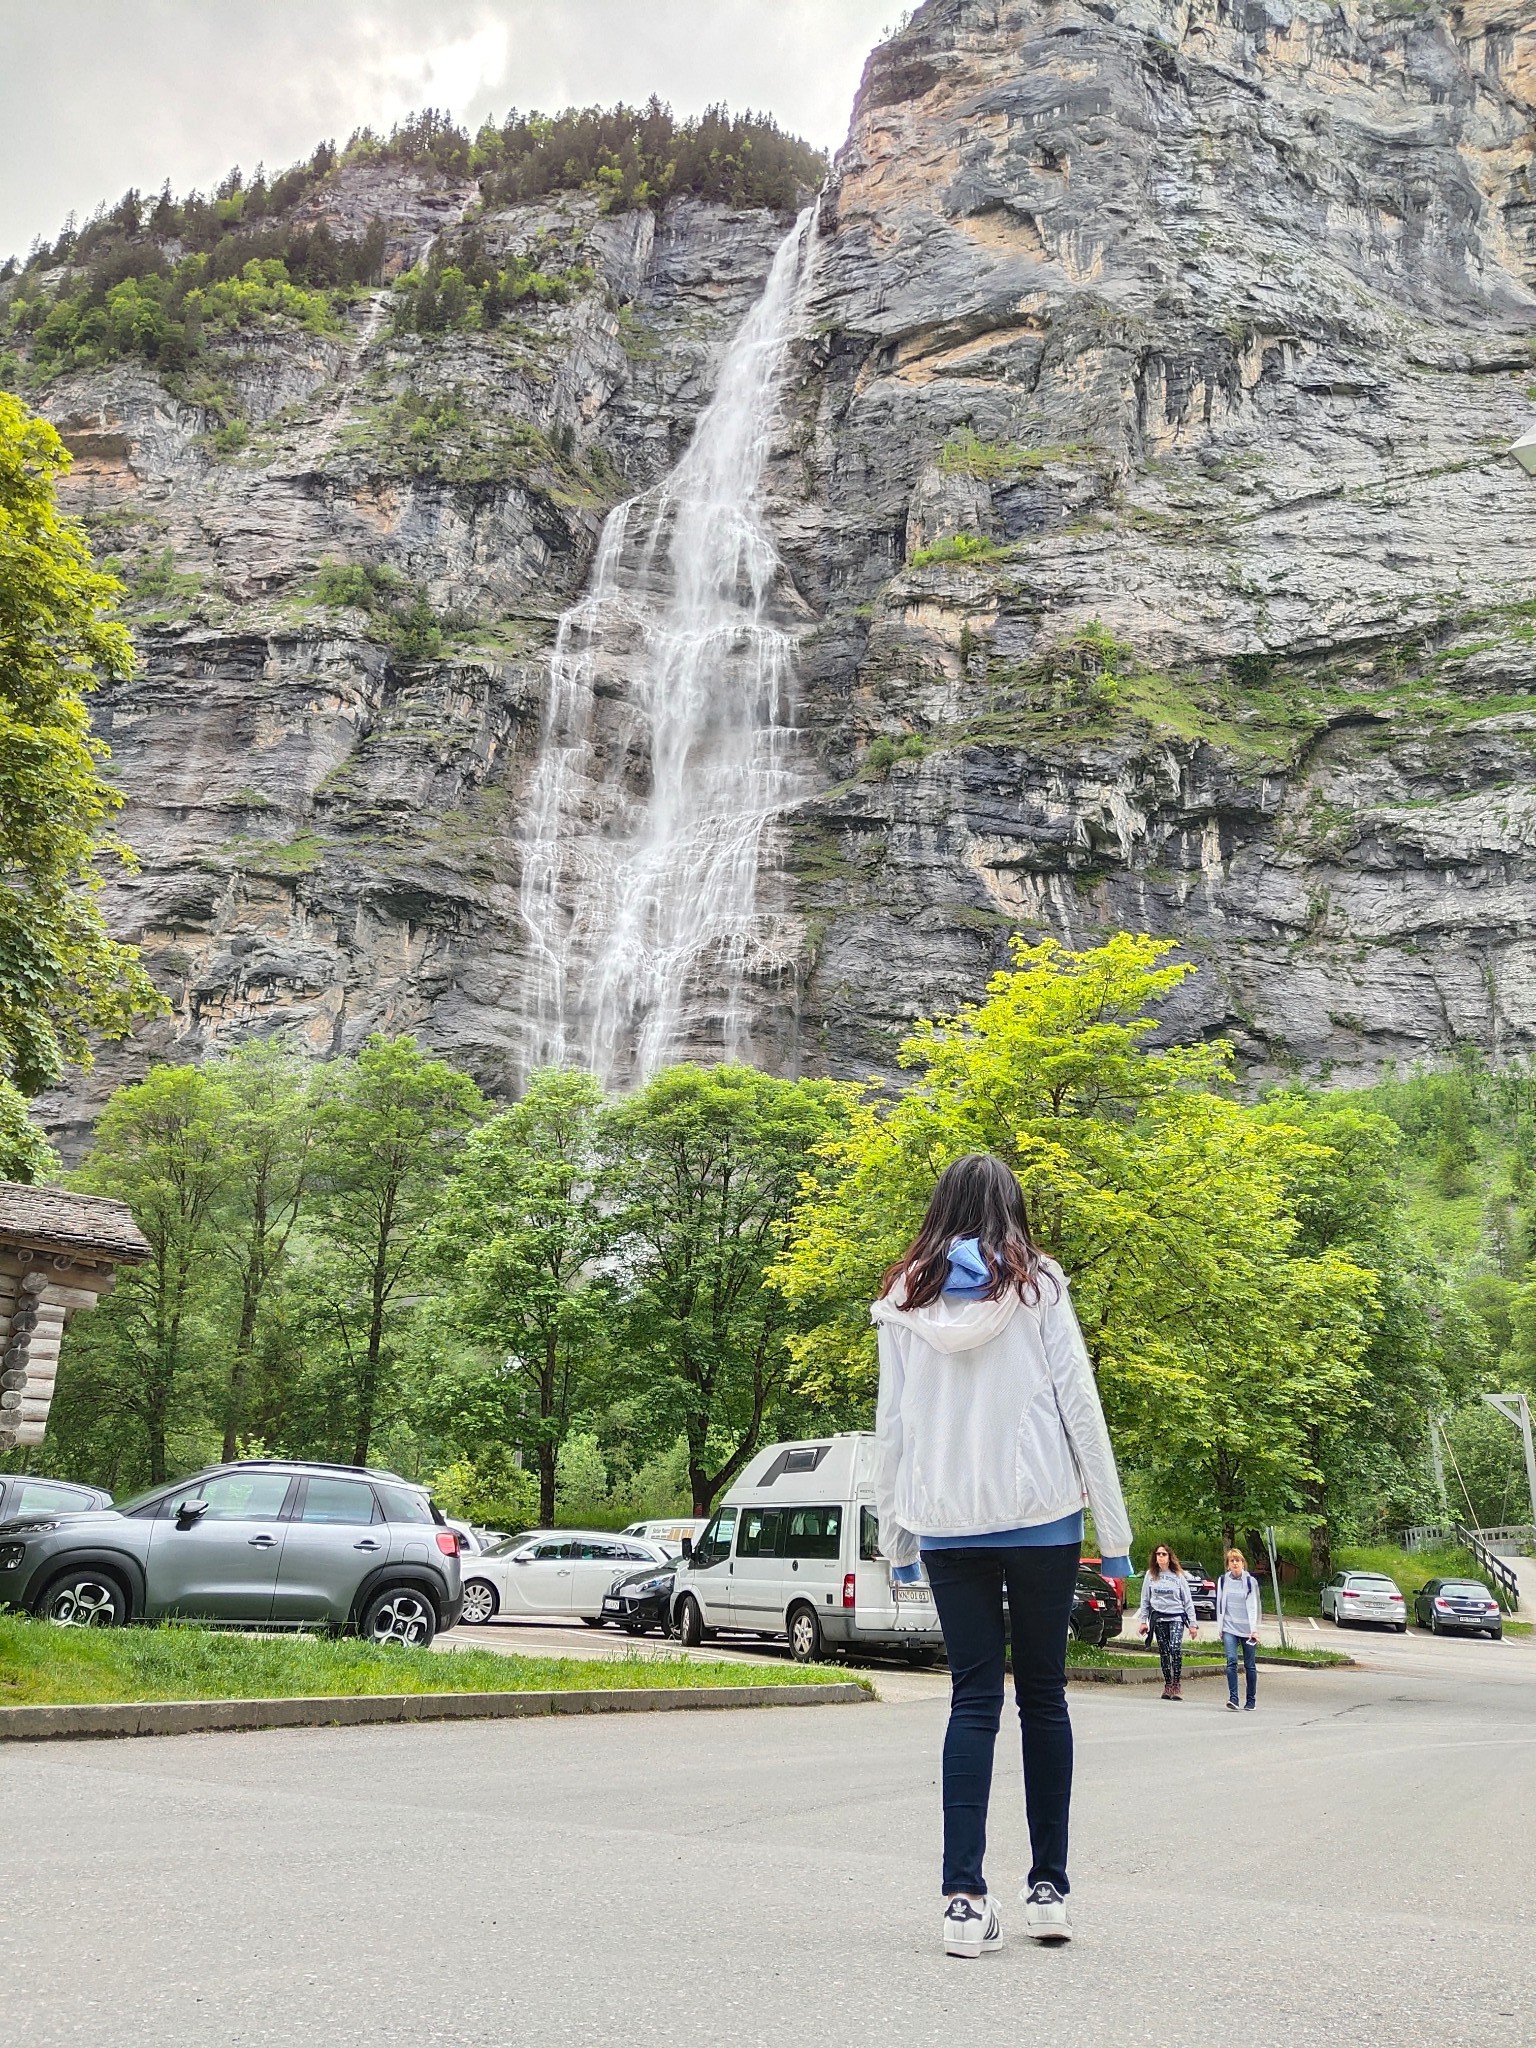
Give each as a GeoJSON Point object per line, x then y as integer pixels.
{"type": "Point", "coordinates": [98, 95]}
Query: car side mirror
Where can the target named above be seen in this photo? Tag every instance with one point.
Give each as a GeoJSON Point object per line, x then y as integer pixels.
{"type": "Point", "coordinates": [687, 1546]}
{"type": "Point", "coordinates": [190, 1513]}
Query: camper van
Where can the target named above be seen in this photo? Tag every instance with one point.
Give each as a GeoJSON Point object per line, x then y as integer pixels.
{"type": "Point", "coordinates": [793, 1551]}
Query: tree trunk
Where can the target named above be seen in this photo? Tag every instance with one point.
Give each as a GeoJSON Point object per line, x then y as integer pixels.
{"type": "Point", "coordinates": [547, 1460]}
{"type": "Point", "coordinates": [368, 1387]}
{"type": "Point", "coordinates": [1322, 1553]}
{"type": "Point", "coordinates": [234, 1406]}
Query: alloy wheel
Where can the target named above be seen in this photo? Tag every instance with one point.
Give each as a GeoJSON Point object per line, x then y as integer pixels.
{"type": "Point", "coordinates": [86, 1603]}
{"type": "Point", "coordinates": [403, 1618]}
{"type": "Point", "coordinates": [479, 1602]}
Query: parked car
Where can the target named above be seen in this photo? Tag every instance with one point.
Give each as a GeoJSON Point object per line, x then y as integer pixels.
{"type": "Point", "coordinates": [677, 1533]}
{"type": "Point", "coordinates": [641, 1599]}
{"type": "Point", "coordinates": [1202, 1590]}
{"type": "Point", "coordinates": [552, 1572]}
{"type": "Point", "coordinates": [20, 1494]}
{"type": "Point", "coordinates": [266, 1543]}
{"type": "Point", "coordinates": [1461, 1606]}
{"type": "Point", "coordinates": [793, 1551]}
{"type": "Point", "coordinates": [1097, 1610]}
{"type": "Point", "coordinates": [1096, 1564]}
{"type": "Point", "coordinates": [1352, 1597]}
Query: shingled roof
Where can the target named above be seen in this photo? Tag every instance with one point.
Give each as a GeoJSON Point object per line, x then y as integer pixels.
{"type": "Point", "coordinates": [84, 1226]}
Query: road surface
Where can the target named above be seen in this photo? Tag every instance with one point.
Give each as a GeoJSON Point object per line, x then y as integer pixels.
{"type": "Point", "coordinates": [1353, 1865]}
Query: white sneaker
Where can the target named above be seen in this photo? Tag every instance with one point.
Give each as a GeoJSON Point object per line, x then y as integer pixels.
{"type": "Point", "coordinates": [967, 1932]}
{"type": "Point", "coordinates": [1045, 1913]}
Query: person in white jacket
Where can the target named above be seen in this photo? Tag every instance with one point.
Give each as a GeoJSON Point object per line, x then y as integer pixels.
{"type": "Point", "coordinates": [991, 1441]}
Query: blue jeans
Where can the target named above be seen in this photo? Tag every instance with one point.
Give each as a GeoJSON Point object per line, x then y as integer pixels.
{"type": "Point", "coordinates": [968, 1593]}
{"type": "Point", "coordinates": [1232, 1645]}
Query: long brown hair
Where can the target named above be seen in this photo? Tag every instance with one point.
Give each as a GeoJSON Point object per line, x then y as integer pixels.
{"type": "Point", "coordinates": [1173, 1562]}
{"type": "Point", "coordinates": [978, 1196]}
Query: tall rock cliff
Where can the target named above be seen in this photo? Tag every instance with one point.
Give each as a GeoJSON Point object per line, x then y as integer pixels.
{"type": "Point", "coordinates": [1141, 476]}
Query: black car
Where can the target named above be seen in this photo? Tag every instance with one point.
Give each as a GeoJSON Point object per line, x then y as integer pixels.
{"type": "Point", "coordinates": [641, 1599]}
{"type": "Point", "coordinates": [1460, 1606]}
{"type": "Point", "coordinates": [1096, 1611]}
{"type": "Point", "coordinates": [1202, 1590]}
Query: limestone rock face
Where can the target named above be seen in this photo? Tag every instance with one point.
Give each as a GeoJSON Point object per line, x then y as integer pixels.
{"type": "Point", "coordinates": [1153, 431]}
{"type": "Point", "coordinates": [1141, 471]}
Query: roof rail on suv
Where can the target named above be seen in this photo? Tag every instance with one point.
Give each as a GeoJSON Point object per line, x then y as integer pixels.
{"type": "Point", "coordinates": [315, 1465]}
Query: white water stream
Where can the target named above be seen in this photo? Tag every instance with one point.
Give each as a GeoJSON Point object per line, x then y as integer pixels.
{"type": "Point", "coordinates": [666, 745]}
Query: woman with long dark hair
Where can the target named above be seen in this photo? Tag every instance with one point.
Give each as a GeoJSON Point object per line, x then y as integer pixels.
{"type": "Point", "coordinates": [1167, 1609]}
{"type": "Point", "coordinates": [991, 1442]}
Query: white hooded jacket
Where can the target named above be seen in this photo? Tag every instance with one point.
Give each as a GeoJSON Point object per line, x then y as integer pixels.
{"type": "Point", "coordinates": [989, 1419]}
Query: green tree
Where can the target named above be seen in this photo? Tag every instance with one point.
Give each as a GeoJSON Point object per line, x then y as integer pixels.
{"type": "Point", "coordinates": [389, 1131]}
{"type": "Point", "coordinates": [159, 1147]}
{"type": "Point", "coordinates": [707, 1165]}
{"type": "Point", "coordinates": [62, 979]}
{"type": "Point", "coordinates": [1216, 1340]}
{"type": "Point", "coordinates": [521, 1243]}
{"type": "Point", "coordinates": [267, 1136]}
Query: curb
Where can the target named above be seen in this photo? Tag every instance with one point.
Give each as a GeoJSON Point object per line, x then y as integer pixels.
{"type": "Point", "coordinates": [197, 1717]}
{"type": "Point", "coordinates": [1280, 1663]}
{"type": "Point", "coordinates": [1122, 1674]}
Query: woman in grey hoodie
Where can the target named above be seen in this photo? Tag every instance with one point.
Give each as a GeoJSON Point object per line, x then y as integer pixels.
{"type": "Point", "coordinates": [1167, 1609]}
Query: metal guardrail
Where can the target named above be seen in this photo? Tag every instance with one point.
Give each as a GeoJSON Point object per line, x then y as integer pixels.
{"type": "Point", "coordinates": [1490, 1562]}
{"type": "Point", "coordinates": [1426, 1535]}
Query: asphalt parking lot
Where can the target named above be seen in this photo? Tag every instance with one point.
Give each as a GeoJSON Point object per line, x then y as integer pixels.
{"type": "Point", "coordinates": [1354, 1864]}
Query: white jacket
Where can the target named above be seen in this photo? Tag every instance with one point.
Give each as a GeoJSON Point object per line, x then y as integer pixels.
{"type": "Point", "coordinates": [1239, 1604]}
{"type": "Point", "coordinates": [989, 1419]}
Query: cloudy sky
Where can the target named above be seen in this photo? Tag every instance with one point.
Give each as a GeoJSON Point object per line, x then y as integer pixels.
{"type": "Point", "coordinates": [98, 95]}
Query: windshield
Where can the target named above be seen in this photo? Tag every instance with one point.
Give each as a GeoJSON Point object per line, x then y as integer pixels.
{"type": "Point", "coordinates": [1371, 1582]}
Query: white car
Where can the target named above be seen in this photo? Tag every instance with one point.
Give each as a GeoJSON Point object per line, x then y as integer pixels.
{"type": "Point", "coordinates": [552, 1572]}
{"type": "Point", "coordinates": [1351, 1597]}
{"type": "Point", "coordinates": [673, 1533]}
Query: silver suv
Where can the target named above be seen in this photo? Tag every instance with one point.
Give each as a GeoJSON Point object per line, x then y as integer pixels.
{"type": "Point", "coordinates": [266, 1543]}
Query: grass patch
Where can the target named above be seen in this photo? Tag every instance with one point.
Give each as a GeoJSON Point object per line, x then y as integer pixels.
{"type": "Point", "coordinates": [1207, 1652]}
{"type": "Point", "coordinates": [44, 1666]}
{"type": "Point", "coordinates": [958, 547]}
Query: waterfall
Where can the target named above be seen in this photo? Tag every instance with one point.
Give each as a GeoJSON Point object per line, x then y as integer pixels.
{"type": "Point", "coordinates": [666, 748]}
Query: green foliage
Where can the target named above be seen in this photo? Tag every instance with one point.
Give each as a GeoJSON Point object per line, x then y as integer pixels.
{"type": "Point", "coordinates": [61, 978]}
{"type": "Point", "coordinates": [883, 752]}
{"type": "Point", "coordinates": [25, 1154]}
{"type": "Point", "coordinates": [1220, 1339]}
{"type": "Point", "coordinates": [405, 619]}
{"type": "Point", "coordinates": [524, 1233]}
{"type": "Point", "coordinates": [641, 156]}
{"type": "Point", "coordinates": [460, 288]}
{"type": "Point", "coordinates": [164, 316]}
{"type": "Point", "coordinates": [1003, 462]}
{"type": "Point", "coordinates": [390, 1128]}
{"type": "Point", "coordinates": [706, 1163]}
{"type": "Point", "coordinates": [957, 547]}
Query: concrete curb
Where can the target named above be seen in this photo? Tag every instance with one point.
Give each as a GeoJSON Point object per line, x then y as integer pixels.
{"type": "Point", "coordinates": [1123, 1674]}
{"type": "Point", "coordinates": [1280, 1663]}
{"type": "Point", "coordinates": [196, 1717]}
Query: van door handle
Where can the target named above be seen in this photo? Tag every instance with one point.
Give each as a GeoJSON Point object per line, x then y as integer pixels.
{"type": "Point", "coordinates": [795, 1565]}
{"type": "Point", "coordinates": [262, 1542]}
{"type": "Point", "coordinates": [368, 1543]}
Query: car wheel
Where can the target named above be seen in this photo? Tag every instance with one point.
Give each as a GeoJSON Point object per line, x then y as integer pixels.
{"type": "Point", "coordinates": [1496, 1635]}
{"type": "Point", "coordinates": [399, 1614]}
{"type": "Point", "coordinates": [1400, 1628]}
{"type": "Point", "coordinates": [804, 1636]}
{"type": "Point", "coordinates": [1338, 1619]}
{"type": "Point", "coordinates": [480, 1602]}
{"type": "Point", "coordinates": [1434, 1624]}
{"type": "Point", "coordinates": [690, 1623]}
{"type": "Point", "coordinates": [83, 1598]}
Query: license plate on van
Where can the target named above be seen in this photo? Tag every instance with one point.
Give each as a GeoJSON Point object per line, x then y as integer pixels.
{"type": "Point", "coordinates": [913, 1595]}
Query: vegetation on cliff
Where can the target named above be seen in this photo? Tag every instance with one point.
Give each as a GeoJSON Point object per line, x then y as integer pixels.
{"type": "Point", "coordinates": [62, 978]}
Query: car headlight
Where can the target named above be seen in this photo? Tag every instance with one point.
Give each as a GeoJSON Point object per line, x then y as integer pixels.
{"type": "Point", "coordinates": [647, 1587]}
{"type": "Point", "coordinates": [11, 1555]}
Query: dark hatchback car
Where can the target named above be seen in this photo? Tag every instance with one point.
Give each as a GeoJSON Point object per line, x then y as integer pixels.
{"type": "Point", "coordinates": [641, 1599]}
{"type": "Point", "coordinates": [1202, 1590]}
{"type": "Point", "coordinates": [261, 1543]}
{"type": "Point", "coordinates": [1459, 1607]}
{"type": "Point", "coordinates": [1097, 1612]}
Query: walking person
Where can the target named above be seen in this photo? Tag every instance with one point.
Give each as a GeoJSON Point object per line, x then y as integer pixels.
{"type": "Point", "coordinates": [990, 1442]}
{"type": "Point", "coordinates": [1167, 1609]}
{"type": "Point", "coordinates": [1239, 1604]}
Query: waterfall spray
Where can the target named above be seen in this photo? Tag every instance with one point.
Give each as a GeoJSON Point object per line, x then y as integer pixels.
{"type": "Point", "coordinates": [665, 752]}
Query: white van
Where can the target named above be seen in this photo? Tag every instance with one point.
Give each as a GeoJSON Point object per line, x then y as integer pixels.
{"type": "Point", "coordinates": [672, 1532]}
{"type": "Point", "coordinates": [793, 1550]}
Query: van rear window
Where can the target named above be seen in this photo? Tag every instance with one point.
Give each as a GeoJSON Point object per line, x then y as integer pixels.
{"type": "Point", "coordinates": [869, 1537]}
